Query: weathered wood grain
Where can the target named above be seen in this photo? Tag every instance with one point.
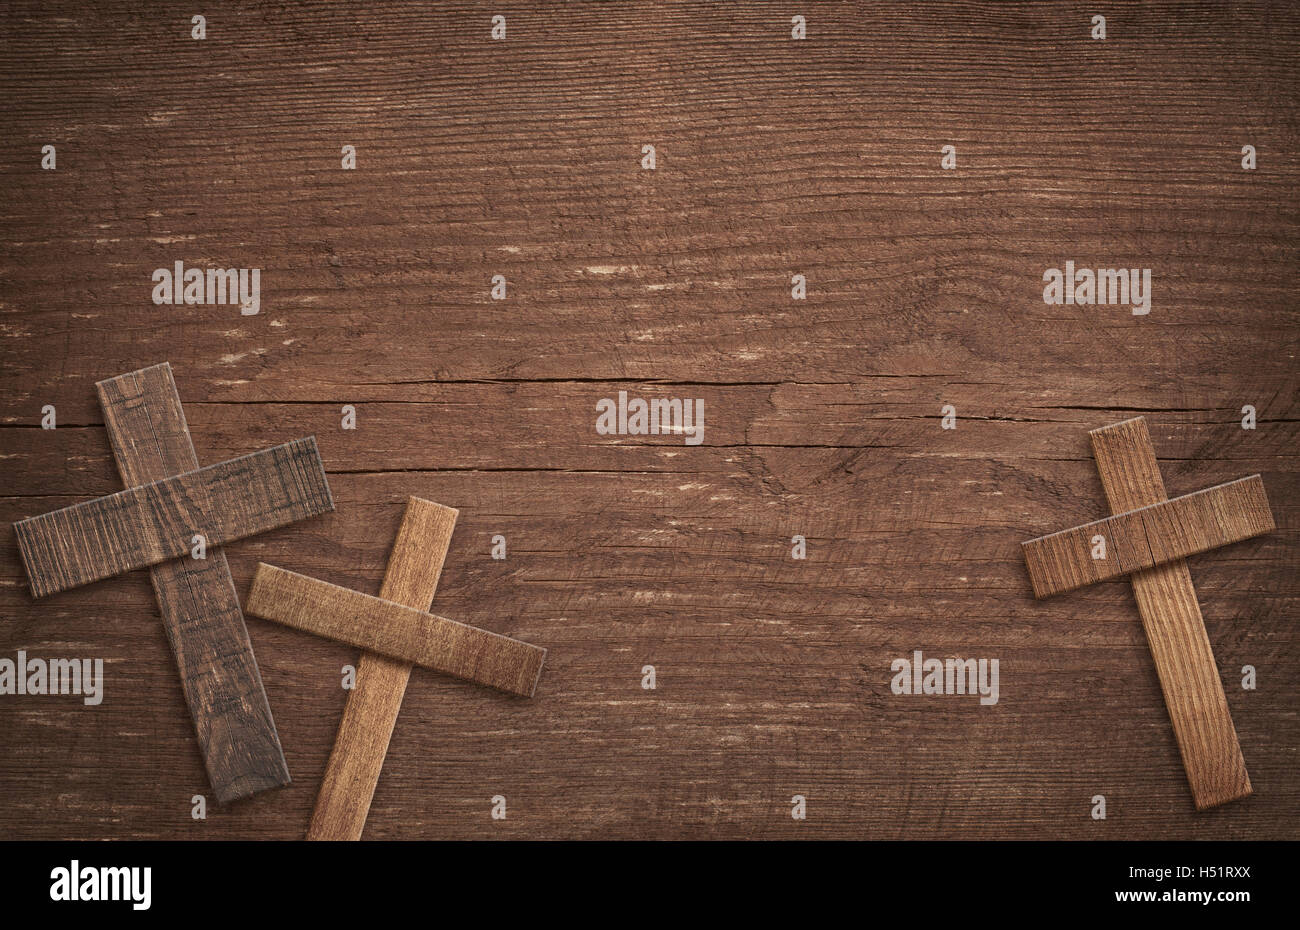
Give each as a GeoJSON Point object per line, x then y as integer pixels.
{"type": "Point", "coordinates": [476, 427]}
{"type": "Point", "coordinates": [150, 523]}
{"type": "Point", "coordinates": [395, 631]}
{"type": "Point", "coordinates": [1150, 536]}
{"type": "Point", "coordinates": [1171, 617]}
{"type": "Point", "coordinates": [776, 157]}
{"type": "Point", "coordinates": [411, 578]}
{"type": "Point", "coordinates": [820, 156]}
{"type": "Point", "coordinates": [608, 588]}
{"type": "Point", "coordinates": [200, 610]}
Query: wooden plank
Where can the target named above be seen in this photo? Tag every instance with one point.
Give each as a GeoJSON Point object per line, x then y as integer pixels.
{"type": "Point", "coordinates": [200, 609]}
{"type": "Point", "coordinates": [819, 157]}
{"type": "Point", "coordinates": [414, 567]}
{"type": "Point", "coordinates": [858, 206]}
{"type": "Point", "coordinates": [1174, 627]}
{"type": "Point", "coordinates": [1149, 536]}
{"type": "Point", "coordinates": [148, 524]}
{"type": "Point", "coordinates": [395, 631]}
{"type": "Point", "coordinates": [887, 415]}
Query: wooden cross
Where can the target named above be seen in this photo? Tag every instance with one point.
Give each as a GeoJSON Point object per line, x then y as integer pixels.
{"type": "Point", "coordinates": [169, 500]}
{"type": "Point", "coordinates": [397, 633]}
{"type": "Point", "coordinates": [1148, 538]}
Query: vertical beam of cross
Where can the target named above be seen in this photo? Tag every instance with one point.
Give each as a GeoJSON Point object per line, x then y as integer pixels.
{"type": "Point", "coordinates": [197, 599]}
{"type": "Point", "coordinates": [411, 579]}
{"type": "Point", "coordinates": [1175, 629]}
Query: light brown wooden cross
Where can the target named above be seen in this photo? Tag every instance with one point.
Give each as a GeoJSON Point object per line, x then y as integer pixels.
{"type": "Point", "coordinates": [1147, 539]}
{"type": "Point", "coordinates": [396, 632]}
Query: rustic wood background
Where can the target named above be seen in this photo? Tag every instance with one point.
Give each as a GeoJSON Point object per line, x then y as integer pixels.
{"type": "Point", "coordinates": [522, 157]}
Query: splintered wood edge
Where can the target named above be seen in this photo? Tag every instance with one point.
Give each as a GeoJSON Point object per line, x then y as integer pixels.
{"type": "Point", "coordinates": [324, 478]}
{"type": "Point", "coordinates": [413, 501]}
{"type": "Point", "coordinates": [138, 373]}
{"type": "Point", "coordinates": [1117, 424]}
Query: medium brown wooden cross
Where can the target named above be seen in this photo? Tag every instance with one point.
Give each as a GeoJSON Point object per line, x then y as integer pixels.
{"type": "Point", "coordinates": [396, 632]}
{"type": "Point", "coordinates": [169, 500]}
{"type": "Point", "coordinates": [1148, 539]}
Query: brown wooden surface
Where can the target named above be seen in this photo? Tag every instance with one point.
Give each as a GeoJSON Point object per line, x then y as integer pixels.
{"type": "Point", "coordinates": [1172, 529]}
{"type": "Point", "coordinates": [775, 157]}
{"type": "Point", "coordinates": [370, 715]}
{"type": "Point", "coordinates": [1171, 616]}
{"type": "Point", "coordinates": [200, 611]}
{"type": "Point", "coordinates": [143, 525]}
{"type": "Point", "coordinates": [395, 631]}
